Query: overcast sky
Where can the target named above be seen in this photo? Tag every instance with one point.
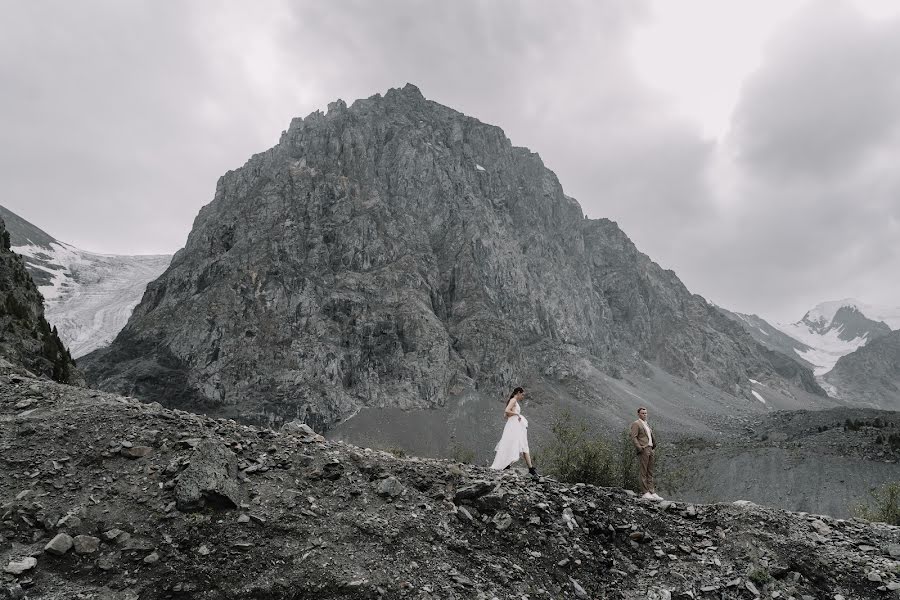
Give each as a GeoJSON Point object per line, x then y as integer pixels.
{"type": "Point", "coordinates": [750, 146]}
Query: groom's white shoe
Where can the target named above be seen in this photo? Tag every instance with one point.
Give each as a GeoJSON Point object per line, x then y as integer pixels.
{"type": "Point", "coordinates": [648, 496]}
{"type": "Point", "coordinates": [656, 496]}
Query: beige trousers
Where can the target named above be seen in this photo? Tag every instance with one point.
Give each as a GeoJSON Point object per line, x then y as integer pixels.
{"type": "Point", "coordinates": [647, 460]}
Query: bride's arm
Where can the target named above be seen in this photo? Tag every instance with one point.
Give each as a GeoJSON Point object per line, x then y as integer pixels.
{"type": "Point", "coordinates": [509, 408]}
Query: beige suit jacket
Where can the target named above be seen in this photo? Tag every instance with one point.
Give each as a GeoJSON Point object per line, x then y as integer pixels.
{"type": "Point", "coordinates": [639, 435]}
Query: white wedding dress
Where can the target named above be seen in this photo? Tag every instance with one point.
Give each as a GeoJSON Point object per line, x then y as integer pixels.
{"type": "Point", "coordinates": [513, 442]}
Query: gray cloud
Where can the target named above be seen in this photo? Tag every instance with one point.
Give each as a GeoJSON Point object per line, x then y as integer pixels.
{"type": "Point", "coordinates": [826, 98]}
{"type": "Point", "coordinates": [815, 202]}
{"type": "Point", "coordinates": [123, 115]}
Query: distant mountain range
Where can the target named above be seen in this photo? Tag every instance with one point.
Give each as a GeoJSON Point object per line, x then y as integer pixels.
{"type": "Point", "coordinates": [825, 333]}
{"type": "Point", "coordinates": [87, 296]}
{"type": "Point", "coordinates": [850, 345]}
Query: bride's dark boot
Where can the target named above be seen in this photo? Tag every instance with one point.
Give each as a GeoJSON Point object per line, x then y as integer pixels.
{"type": "Point", "coordinates": [533, 472]}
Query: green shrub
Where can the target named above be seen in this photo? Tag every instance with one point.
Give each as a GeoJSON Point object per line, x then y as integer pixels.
{"type": "Point", "coordinates": [574, 455]}
{"type": "Point", "coordinates": [884, 505]}
{"type": "Point", "coordinates": [760, 576]}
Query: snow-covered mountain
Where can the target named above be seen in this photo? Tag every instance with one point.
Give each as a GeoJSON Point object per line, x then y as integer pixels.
{"type": "Point", "coordinates": [825, 313]}
{"type": "Point", "coordinates": [87, 296]}
{"type": "Point", "coordinates": [835, 329]}
{"type": "Point", "coordinates": [825, 333]}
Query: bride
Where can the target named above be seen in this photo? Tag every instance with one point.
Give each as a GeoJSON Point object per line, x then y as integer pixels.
{"type": "Point", "coordinates": [515, 435]}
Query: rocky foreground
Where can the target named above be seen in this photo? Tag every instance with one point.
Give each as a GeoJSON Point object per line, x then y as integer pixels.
{"type": "Point", "coordinates": [105, 497]}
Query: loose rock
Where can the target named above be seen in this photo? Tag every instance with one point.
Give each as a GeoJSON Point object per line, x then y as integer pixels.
{"type": "Point", "coordinates": [86, 544]}
{"type": "Point", "coordinates": [59, 545]}
{"type": "Point", "coordinates": [17, 567]}
{"type": "Point", "coordinates": [389, 487]}
{"type": "Point", "coordinates": [210, 479]}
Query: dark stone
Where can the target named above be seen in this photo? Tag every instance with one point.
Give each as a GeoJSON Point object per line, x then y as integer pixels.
{"type": "Point", "coordinates": [473, 490]}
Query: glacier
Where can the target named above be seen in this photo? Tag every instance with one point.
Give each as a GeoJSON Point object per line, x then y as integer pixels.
{"type": "Point", "coordinates": [89, 297]}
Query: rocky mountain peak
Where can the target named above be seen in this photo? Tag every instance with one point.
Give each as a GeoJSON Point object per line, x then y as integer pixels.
{"type": "Point", "coordinates": [852, 324]}
{"type": "Point", "coordinates": [399, 254]}
{"type": "Point", "coordinates": [848, 313]}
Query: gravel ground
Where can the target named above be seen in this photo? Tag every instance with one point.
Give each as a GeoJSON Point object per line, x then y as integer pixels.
{"type": "Point", "coordinates": [105, 497]}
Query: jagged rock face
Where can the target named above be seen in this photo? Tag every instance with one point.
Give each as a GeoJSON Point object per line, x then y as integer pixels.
{"type": "Point", "coordinates": [871, 374]}
{"type": "Point", "coordinates": [26, 338]}
{"type": "Point", "coordinates": [398, 253]}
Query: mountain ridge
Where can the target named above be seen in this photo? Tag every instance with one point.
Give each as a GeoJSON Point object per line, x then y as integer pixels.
{"type": "Point", "coordinates": [871, 374]}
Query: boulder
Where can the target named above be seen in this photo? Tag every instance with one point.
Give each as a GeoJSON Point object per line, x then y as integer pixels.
{"type": "Point", "coordinates": [210, 480]}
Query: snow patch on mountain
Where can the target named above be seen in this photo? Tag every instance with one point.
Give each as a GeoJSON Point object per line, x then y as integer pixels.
{"type": "Point", "coordinates": [824, 349]}
{"type": "Point", "coordinates": [89, 296]}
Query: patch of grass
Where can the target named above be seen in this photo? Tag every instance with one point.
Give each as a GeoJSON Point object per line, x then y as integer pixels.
{"type": "Point", "coordinates": [760, 576]}
{"type": "Point", "coordinates": [396, 451]}
{"type": "Point", "coordinates": [462, 454]}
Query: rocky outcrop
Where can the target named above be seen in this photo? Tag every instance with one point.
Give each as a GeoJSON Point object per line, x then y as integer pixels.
{"type": "Point", "coordinates": [330, 520]}
{"type": "Point", "coordinates": [870, 375]}
{"type": "Point", "coordinates": [397, 253]}
{"type": "Point", "coordinates": [26, 339]}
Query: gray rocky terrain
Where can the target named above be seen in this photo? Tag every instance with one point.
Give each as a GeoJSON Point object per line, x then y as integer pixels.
{"type": "Point", "coordinates": [870, 375]}
{"type": "Point", "coordinates": [825, 461]}
{"type": "Point", "coordinates": [26, 339]}
{"type": "Point", "coordinates": [106, 497]}
{"type": "Point", "coordinates": [397, 255]}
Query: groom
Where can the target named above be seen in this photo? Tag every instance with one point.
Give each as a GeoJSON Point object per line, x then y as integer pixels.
{"type": "Point", "coordinates": [642, 438]}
